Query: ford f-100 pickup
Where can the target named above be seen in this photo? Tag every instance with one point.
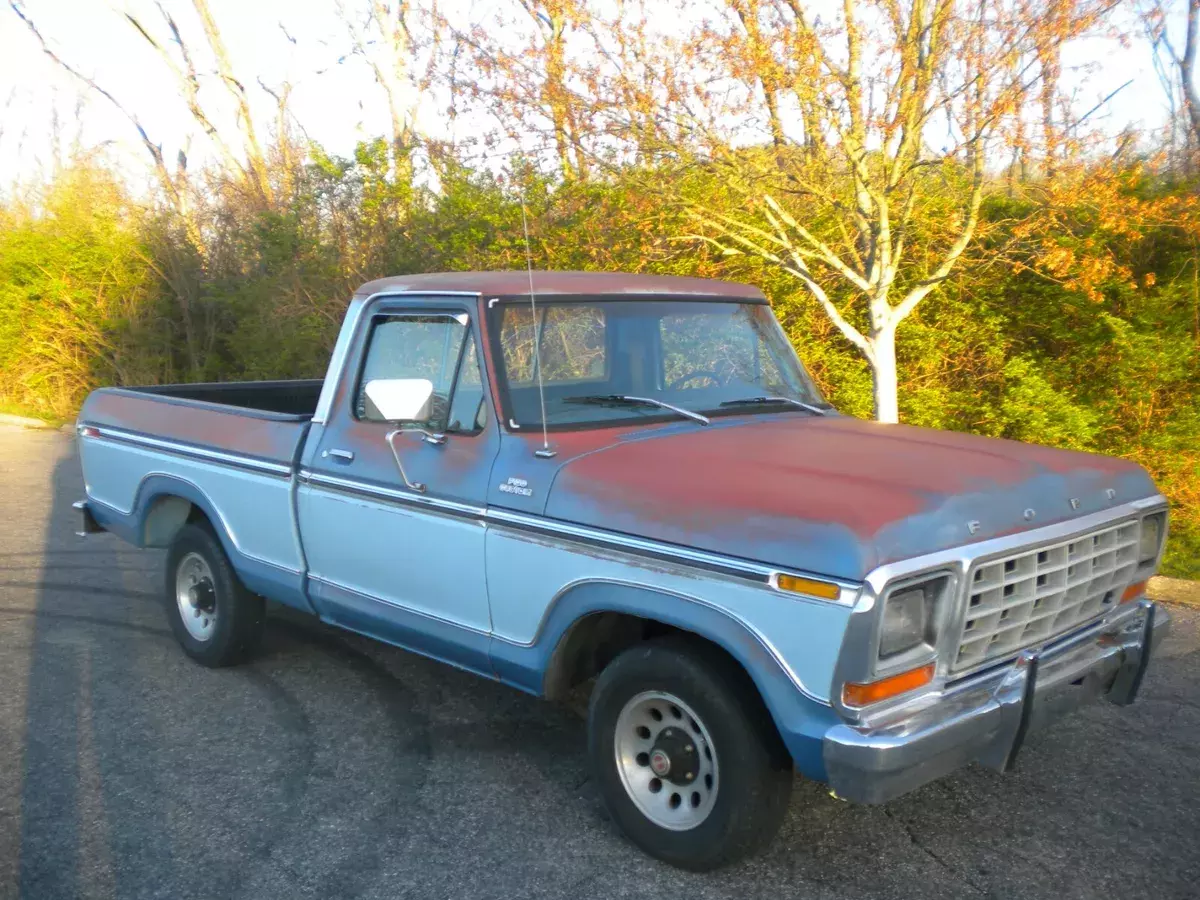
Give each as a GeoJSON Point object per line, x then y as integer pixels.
{"type": "Point", "coordinates": [631, 481]}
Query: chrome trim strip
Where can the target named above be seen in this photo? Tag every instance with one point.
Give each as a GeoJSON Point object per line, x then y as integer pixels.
{"type": "Point", "coordinates": [337, 360]}
{"type": "Point", "coordinates": [760, 574]}
{"type": "Point", "coordinates": [756, 571]}
{"type": "Point", "coordinates": [337, 585]}
{"type": "Point", "coordinates": [266, 562]}
{"type": "Point", "coordinates": [181, 449]}
{"type": "Point", "coordinates": [392, 495]}
{"type": "Point", "coordinates": [422, 292]}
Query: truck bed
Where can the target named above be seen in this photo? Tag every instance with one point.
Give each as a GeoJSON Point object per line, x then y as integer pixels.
{"type": "Point", "coordinates": [254, 420]}
{"type": "Point", "coordinates": [231, 449]}
{"type": "Point", "coordinates": [295, 398]}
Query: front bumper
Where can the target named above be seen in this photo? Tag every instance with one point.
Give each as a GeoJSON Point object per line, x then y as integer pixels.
{"type": "Point", "coordinates": [985, 718]}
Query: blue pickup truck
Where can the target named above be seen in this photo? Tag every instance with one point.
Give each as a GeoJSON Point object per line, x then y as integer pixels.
{"type": "Point", "coordinates": [631, 481]}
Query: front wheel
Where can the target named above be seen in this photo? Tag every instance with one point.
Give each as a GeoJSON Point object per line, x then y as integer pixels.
{"type": "Point", "coordinates": [687, 760]}
{"type": "Point", "coordinates": [215, 619]}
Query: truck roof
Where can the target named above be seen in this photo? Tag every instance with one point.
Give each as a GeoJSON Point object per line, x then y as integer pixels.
{"type": "Point", "coordinates": [564, 284]}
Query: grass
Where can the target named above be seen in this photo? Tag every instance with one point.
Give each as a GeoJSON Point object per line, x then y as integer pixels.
{"type": "Point", "coordinates": [13, 409]}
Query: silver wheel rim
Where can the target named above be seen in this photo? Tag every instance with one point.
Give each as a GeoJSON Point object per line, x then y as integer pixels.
{"type": "Point", "coordinates": [677, 792]}
{"type": "Point", "coordinates": [195, 593]}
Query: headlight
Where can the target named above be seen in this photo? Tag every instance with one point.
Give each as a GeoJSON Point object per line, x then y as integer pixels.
{"type": "Point", "coordinates": [904, 622]}
{"type": "Point", "coordinates": [909, 617]}
{"type": "Point", "coordinates": [1152, 535]}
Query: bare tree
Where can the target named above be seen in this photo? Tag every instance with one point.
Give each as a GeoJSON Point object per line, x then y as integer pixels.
{"type": "Point", "coordinates": [237, 90]}
{"type": "Point", "coordinates": [554, 18]}
{"type": "Point", "coordinates": [398, 42]}
{"type": "Point", "coordinates": [254, 171]}
{"type": "Point", "coordinates": [174, 184]}
{"type": "Point", "coordinates": [1155, 15]}
{"type": "Point", "coordinates": [189, 84]}
{"type": "Point", "coordinates": [909, 102]}
{"type": "Point", "coordinates": [527, 77]}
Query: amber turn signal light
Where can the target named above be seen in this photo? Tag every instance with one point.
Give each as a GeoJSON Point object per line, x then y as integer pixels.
{"type": "Point", "coordinates": [1134, 591]}
{"type": "Point", "coordinates": [797, 585]}
{"type": "Point", "coordinates": [892, 686]}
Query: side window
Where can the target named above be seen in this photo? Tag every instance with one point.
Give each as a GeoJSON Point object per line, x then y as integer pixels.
{"type": "Point", "coordinates": [468, 408]}
{"type": "Point", "coordinates": [438, 347]}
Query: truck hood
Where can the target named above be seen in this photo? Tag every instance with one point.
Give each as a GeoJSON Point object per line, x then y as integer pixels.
{"type": "Point", "coordinates": [833, 495]}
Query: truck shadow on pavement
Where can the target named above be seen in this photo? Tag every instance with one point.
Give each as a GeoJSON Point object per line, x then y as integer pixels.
{"type": "Point", "coordinates": [334, 766]}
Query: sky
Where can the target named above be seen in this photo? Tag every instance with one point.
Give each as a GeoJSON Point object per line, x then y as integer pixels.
{"type": "Point", "coordinates": [338, 103]}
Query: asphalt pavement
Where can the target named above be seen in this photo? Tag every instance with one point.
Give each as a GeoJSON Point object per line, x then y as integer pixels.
{"type": "Point", "coordinates": [333, 766]}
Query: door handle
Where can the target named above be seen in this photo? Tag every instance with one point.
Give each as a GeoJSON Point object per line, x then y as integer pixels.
{"type": "Point", "coordinates": [342, 455]}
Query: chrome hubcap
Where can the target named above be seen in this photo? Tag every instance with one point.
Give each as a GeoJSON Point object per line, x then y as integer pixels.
{"type": "Point", "coordinates": [196, 596]}
{"type": "Point", "coordinates": [666, 760]}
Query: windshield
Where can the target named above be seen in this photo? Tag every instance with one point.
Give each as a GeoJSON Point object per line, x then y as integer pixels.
{"type": "Point", "coordinates": [598, 356]}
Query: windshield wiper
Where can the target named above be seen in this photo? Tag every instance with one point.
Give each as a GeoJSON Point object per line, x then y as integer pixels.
{"type": "Point", "coordinates": [623, 400]}
{"type": "Point", "coordinates": [755, 401]}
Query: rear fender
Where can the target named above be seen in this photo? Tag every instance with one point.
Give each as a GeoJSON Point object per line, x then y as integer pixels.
{"type": "Point", "coordinates": [164, 504]}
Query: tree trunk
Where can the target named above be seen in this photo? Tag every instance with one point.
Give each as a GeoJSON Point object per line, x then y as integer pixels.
{"type": "Point", "coordinates": [883, 375]}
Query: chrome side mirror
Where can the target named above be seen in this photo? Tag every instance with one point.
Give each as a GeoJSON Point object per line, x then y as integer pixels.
{"type": "Point", "coordinates": [401, 399]}
{"type": "Point", "coordinates": [417, 486]}
{"type": "Point", "coordinates": [404, 401]}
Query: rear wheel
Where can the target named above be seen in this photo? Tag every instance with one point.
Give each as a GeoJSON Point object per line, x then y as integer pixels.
{"type": "Point", "coordinates": [215, 619]}
{"type": "Point", "coordinates": [686, 757]}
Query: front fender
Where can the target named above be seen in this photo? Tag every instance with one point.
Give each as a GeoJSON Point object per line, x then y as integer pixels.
{"type": "Point", "coordinates": [802, 720]}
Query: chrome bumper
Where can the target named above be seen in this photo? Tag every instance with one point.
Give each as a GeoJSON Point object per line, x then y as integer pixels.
{"type": "Point", "coordinates": [985, 718]}
{"type": "Point", "coordinates": [87, 521]}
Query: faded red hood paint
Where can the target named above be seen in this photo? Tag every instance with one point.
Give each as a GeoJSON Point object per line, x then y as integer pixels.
{"type": "Point", "coordinates": [832, 495]}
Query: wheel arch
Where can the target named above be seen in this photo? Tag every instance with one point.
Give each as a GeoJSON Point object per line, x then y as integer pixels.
{"type": "Point", "coordinates": [589, 622]}
{"type": "Point", "coordinates": [165, 503]}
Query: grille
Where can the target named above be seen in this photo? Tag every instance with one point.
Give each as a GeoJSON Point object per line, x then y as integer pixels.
{"type": "Point", "coordinates": [1034, 595]}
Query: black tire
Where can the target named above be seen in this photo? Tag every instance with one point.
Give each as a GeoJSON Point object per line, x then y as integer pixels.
{"type": "Point", "coordinates": [238, 615]}
{"type": "Point", "coordinates": [755, 770]}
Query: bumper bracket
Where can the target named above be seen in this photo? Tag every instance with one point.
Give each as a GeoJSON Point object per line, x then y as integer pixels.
{"type": "Point", "coordinates": [1031, 673]}
{"type": "Point", "coordinates": [88, 523]}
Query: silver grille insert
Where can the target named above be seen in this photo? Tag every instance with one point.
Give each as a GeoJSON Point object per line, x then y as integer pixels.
{"type": "Point", "coordinates": [1034, 595]}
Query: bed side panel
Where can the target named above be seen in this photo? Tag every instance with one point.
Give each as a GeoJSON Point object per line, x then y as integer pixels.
{"type": "Point", "coordinates": [261, 435]}
{"type": "Point", "coordinates": [234, 465]}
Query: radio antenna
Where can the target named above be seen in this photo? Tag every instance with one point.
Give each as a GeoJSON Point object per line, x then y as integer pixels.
{"type": "Point", "coordinates": [545, 452]}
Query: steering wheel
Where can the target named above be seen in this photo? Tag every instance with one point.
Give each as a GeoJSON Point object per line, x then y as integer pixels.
{"type": "Point", "coordinates": [713, 376]}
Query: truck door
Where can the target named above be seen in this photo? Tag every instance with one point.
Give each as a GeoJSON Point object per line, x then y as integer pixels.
{"type": "Point", "coordinates": [392, 517]}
